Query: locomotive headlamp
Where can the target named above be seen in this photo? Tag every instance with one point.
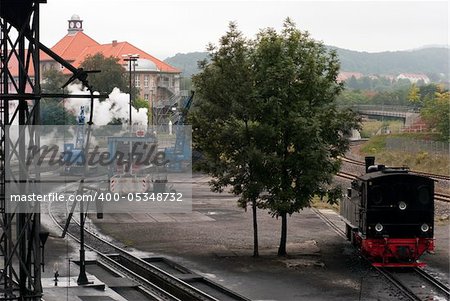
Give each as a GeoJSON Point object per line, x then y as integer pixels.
{"type": "Point", "coordinates": [402, 205]}
{"type": "Point", "coordinates": [424, 228]}
{"type": "Point", "coordinates": [379, 227]}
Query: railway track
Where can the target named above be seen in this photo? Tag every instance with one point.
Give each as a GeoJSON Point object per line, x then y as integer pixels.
{"type": "Point", "coordinates": [437, 196]}
{"type": "Point", "coordinates": [431, 175]}
{"type": "Point", "coordinates": [346, 175]}
{"type": "Point", "coordinates": [414, 283]}
{"type": "Point", "coordinates": [432, 280]}
{"type": "Point", "coordinates": [158, 283]}
{"type": "Point", "coordinates": [441, 197]}
{"type": "Point", "coordinates": [393, 279]}
{"type": "Point", "coordinates": [332, 225]}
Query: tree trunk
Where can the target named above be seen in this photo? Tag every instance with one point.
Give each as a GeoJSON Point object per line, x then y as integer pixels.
{"type": "Point", "coordinates": [255, 230]}
{"type": "Point", "coordinates": [282, 247]}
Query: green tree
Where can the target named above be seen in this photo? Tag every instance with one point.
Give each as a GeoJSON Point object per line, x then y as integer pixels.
{"type": "Point", "coordinates": [186, 83]}
{"type": "Point", "coordinates": [224, 124]}
{"type": "Point", "coordinates": [414, 95]}
{"type": "Point", "coordinates": [267, 123]}
{"type": "Point", "coordinates": [140, 103]}
{"type": "Point", "coordinates": [352, 97]}
{"type": "Point", "coordinates": [53, 80]}
{"type": "Point", "coordinates": [296, 82]}
{"type": "Point", "coordinates": [52, 111]}
{"type": "Point", "coordinates": [436, 113]}
{"type": "Point", "coordinates": [112, 73]}
{"type": "Point", "coordinates": [143, 104]}
{"type": "Point", "coordinates": [429, 91]}
{"type": "Point", "coordinates": [395, 97]}
{"type": "Point", "coordinates": [352, 83]}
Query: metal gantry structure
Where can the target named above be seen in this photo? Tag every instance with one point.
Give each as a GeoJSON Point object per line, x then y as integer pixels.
{"type": "Point", "coordinates": [20, 244]}
{"type": "Point", "coordinates": [21, 237]}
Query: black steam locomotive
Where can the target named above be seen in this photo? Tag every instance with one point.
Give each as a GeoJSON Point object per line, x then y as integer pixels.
{"type": "Point", "coordinates": [389, 215]}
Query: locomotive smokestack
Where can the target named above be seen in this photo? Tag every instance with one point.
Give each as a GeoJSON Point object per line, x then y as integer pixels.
{"type": "Point", "coordinates": [369, 162]}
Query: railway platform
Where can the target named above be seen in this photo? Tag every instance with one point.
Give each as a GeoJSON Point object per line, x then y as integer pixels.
{"type": "Point", "coordinates": [57, 255]}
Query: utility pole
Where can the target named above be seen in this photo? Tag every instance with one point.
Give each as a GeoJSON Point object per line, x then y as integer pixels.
{"type": "Point", "coordinates": [130, 58]}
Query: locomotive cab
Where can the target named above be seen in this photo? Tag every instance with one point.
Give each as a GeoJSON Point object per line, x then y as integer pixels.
{"type": "Point", "coordinates": [389, 213]}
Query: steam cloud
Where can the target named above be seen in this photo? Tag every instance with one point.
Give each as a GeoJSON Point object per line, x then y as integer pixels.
{"type": "Point", "coordinates": [114, 107]}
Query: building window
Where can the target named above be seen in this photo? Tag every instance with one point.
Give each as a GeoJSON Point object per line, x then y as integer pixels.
{"type": "Point", "coordinates": [137, 81]}
{"type": "Point", "coordinates": [145, 96]}
{"type": "Point", "coordinates": [146, 81]}
{"type": "Point", "coordinates": [165, 82]}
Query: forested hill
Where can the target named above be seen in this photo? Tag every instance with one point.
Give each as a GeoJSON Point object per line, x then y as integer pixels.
{"type": "Point", "coordinates": [426, 60]}
{"type": "Point", "coordinates": [187, 62]}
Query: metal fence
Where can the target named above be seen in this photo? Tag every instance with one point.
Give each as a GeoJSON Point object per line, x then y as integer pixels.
{"type": "Point", "coordinates": [410, 145]}
{"type": "Point", "coordinates": [388, 108]}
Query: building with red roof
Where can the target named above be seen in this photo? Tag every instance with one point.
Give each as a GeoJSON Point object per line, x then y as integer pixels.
{"type": "Point", "coordinates": [155, 79]}
{"type": "Point", "coordinates": [344, 75]}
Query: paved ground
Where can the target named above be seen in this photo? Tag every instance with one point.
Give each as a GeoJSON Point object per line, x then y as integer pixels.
{"type": "Point", "coordinates": [216, 241]}
{"type": "Point", "coordinates": [60, 254]}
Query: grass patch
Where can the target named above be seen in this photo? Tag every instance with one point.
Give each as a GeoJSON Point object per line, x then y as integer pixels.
{"type": "Point", "coordinates": [374, 146]}
{"type": "Point", "coordinates": [437, 163]}
{"type": "Point", "coordinates": [422, 161]}
{"type": "Point", "coordinates": [323, 204]}
{"type": "Point", "coordinates": [371, 127]}
{"type": "Point", "coordinates": [128, 242]}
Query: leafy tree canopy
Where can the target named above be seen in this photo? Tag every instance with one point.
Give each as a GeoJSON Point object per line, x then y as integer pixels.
{"type": "Point", "coordinates": [54, 113]}
{"type": "Point", "coordinates": [52, 109]}
{"type": "Point", "coordinates": [53, 80]}
{"type": "Point", "coordinates": [436, 112]}
{"type": "Point", "coordinates": [140, 103]}
{"type": "Point", "coordinates": [267, 119]}
{"type": "Point", "coordinates": [305, 132]}
{"type": "Point", "coordinates": [112, 73]}
{"type": "Point", "coordinates": [225, 125]}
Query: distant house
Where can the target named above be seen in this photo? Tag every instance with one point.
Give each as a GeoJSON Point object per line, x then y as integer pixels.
{"type": "Point", "coordinates": [344, 76]}
{"type": "Point", "coordinates": [414, 77]}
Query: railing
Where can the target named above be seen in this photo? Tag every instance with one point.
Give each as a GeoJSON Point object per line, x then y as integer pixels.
{"type": "Point", "coordinates": [163, 84]}
{"type": "Point", "coordinates": [166, 85]}
{"type": "Point", "coordinates": [167, 102]}
{"type": "Point", "coordinates": [410, 145]}
{"type": "Point", "coordinates": [386, 108]}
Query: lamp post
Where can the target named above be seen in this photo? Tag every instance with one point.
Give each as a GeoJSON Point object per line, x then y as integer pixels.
{"type": "Point", "coordinates": [130, 58]}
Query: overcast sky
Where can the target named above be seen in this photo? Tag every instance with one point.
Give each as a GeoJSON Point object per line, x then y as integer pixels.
{"type": "Point", "coordinates": [164, 28]}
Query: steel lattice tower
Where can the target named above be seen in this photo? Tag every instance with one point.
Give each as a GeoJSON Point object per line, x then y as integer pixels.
{"type": "Point", "coordinates": [20, 245]}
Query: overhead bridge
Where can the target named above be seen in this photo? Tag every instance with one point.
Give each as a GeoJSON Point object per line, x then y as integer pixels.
{"type": "Point", "coordinates": [407, 114]}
